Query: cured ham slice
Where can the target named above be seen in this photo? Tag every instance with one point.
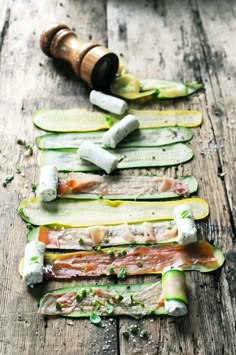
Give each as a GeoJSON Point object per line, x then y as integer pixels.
{"type": "Point", "coordinates": [87, 238]}
{"type": "Point", "coordinates": [130, 186]}
{"type": "Point", "coordinates": [199, 256]}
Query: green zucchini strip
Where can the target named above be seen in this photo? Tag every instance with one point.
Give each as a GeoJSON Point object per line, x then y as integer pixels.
{"type": "Point", "coordinates": [169, 155]}
{"type": "Point", "coordinates": [77, 120]}
{"type": "Point", "coordinates": [147, 137]}
{"type": "Point", "coordinates": [166, 89]}
{"type": "Point", "coordinates": [91, 186]}
{"type": "Point", "coordinates": [104, 300]}
{"type": "Point", "coordinates": [88, 238]}
{"type": "Point", "coordinates": [136, 260]}
{"type": "Point", "coordinates": [77, 213]}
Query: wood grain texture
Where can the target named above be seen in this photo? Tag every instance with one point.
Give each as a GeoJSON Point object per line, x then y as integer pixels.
{"type": "Point", "coordinates": [182, 40]}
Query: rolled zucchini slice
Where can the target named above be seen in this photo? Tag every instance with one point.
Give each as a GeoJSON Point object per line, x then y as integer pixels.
{"type": "Point", "coordinates": [146, 137]}
{"type": "Point", "coordinates": [133, 260]}
{"type": "Point", "coordinates": [77, 213]}
{"type": "Point", "coordinates": [174, 291]}
{"type": "Point", "coordinates": [104, 300]}
{"type": "Point", "coordinates": [81, 120]}
{"type": "Point", "coordinates": [83, 186]}
{"type": "Point", "coordinates": [169, 155]}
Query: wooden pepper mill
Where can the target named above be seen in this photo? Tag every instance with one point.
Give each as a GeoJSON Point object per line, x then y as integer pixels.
{"type": "Point", "coordinates": [91, 62]}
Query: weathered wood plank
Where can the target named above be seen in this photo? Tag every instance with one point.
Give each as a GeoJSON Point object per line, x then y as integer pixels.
{"type": "Point", "coordinates": [30, 81]}
{"type": "Point", "coordinates": [165, 42]}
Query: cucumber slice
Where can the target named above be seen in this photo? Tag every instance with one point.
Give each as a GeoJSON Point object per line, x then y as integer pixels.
{"type": "Point", "coordinates": [165, 89]}
{"type": "Point", "coordinates": [168, 155]}
{"type": "Point", "coordinates": [142, 304]}
{"type": "Point", "coordinates": [77, 213]}
{"type": "Point", "coordinates": [190, 181]}
{"type": "Point", "coordinates": [140, 138]}
{"type": "Point", "coordinates": [81, 120]}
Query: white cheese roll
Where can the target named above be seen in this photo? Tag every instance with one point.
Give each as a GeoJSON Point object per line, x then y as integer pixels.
{"type": "Point", "coordinates": [187, 231]}
{"type": "Point", "coordinates": [120, 130]}
{"type": "Point", "coordinates": [48, 183]}
{"type": "Point", "coordinates": [108, 103]}
{"type": "Point", "coordinates": [34, 262]}
{"type": "Point", "coordinates": [98, 156]}
{"type": "Point", "coordinates": [174, 291]}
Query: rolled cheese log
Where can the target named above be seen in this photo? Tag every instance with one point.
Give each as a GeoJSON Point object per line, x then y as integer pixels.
{"type": "Point", "coordinates": [174, 291]}
{"type": "Point", "coordinates": [120, 130]}
{"type": "Point", "coordinates": [98, 156]}
{"type": "Point", "coordinates": [187, 231]}
{"type": "Point", "coordinates": [108, 103]}
{"type": "Point", "coordinates": [34, 262]}
{"type": "Point", "coordinates": [48, 183]}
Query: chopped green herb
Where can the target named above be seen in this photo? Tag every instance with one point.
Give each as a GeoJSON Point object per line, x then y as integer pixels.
{"type": "Point", "coordinates": [124, 252]}
{"type": "Point", "coordinates": [111, 253]}
{"type": "Point", "coordinates": [34, 187]}
{"type": "Point", "coordinates": [139, 263]}
{"type": "Point", "coordinates": [109, 308]}
{"type": "Point", "coordinates": [91, 291]}
{"type": "Point", "coordinates": [133, 328]}
{"type": "Point", "coordinates": [20, 141]}
{"type": "Point", "coordinates": [78, 297]}
{"type": "Point", "coordinates": [83, 292]}
{"type": "Point", "coordinates": [126, 335]}
{"type": "Point", "coordinates": [81, 308]}
{"type": "Point", "coordinates": [185, 214]}
{"type": "Point", "coordinates": [95, 318]}
{"type": "Point", "coordinates": [34, 259]}
{"type": "Point", "coordinates": [169, 226]}
{"type": "Point", "coordinates": [143, 333]}
{"type": "Point", "coordinates": [119, 253]}
{"type": "Point", "coordinates": [18, 171]}
{"type": "Point", "coordinates": [98, 248]}
{"type": "Point", "coordinates": [28, 146]}
{"type": "Point", "coordinates": [111, 269]}
{"type": "Point", "coordinates": [7, 180]}
{"type": "Point", "coordinates": [121, 274]}
{"type": "Point", "coordinates": [96, 304]}
{"type": "Point", "coordinates": [109, 120]}
{"type": "Point", "coordinates": [58, 306]}
{"type": "Point", "coordinates": [120, 298]}
{"type": "Point", "coordinates": [81, 241]}
{"type": "Point", "coordinates": [106, 240]}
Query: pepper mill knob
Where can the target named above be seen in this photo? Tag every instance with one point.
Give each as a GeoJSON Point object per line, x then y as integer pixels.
{"type": "Point", "coordinates": [93, 63]}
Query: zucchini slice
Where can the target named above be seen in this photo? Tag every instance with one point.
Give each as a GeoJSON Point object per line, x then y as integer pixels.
{"type": "Point", "coordinates": [133, 260]}
{"type": "Point", "coordinates": [104, 300]}
{"type": "Point", "coordinates": [77, 213]}
{"type": "Point", "coordinates": [117, 187]}
{"type": "Point", "coordinates": [147, 137]}
{"type": "Point", "coordinates": [68, 160]}
{"type": "Point", "coordinates": [81, 120]}
{"type": "Point", "coordinates": [165, 89]}
{"type": "Point", "coordinates": [154, 118]}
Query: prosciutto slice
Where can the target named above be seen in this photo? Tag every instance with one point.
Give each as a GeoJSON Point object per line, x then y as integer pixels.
{"type": "Point", "coordinates": [81, 183]}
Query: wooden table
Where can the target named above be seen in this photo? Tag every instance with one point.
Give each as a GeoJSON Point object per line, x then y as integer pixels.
{"type": "Point", "coordinates": [182, 40]}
